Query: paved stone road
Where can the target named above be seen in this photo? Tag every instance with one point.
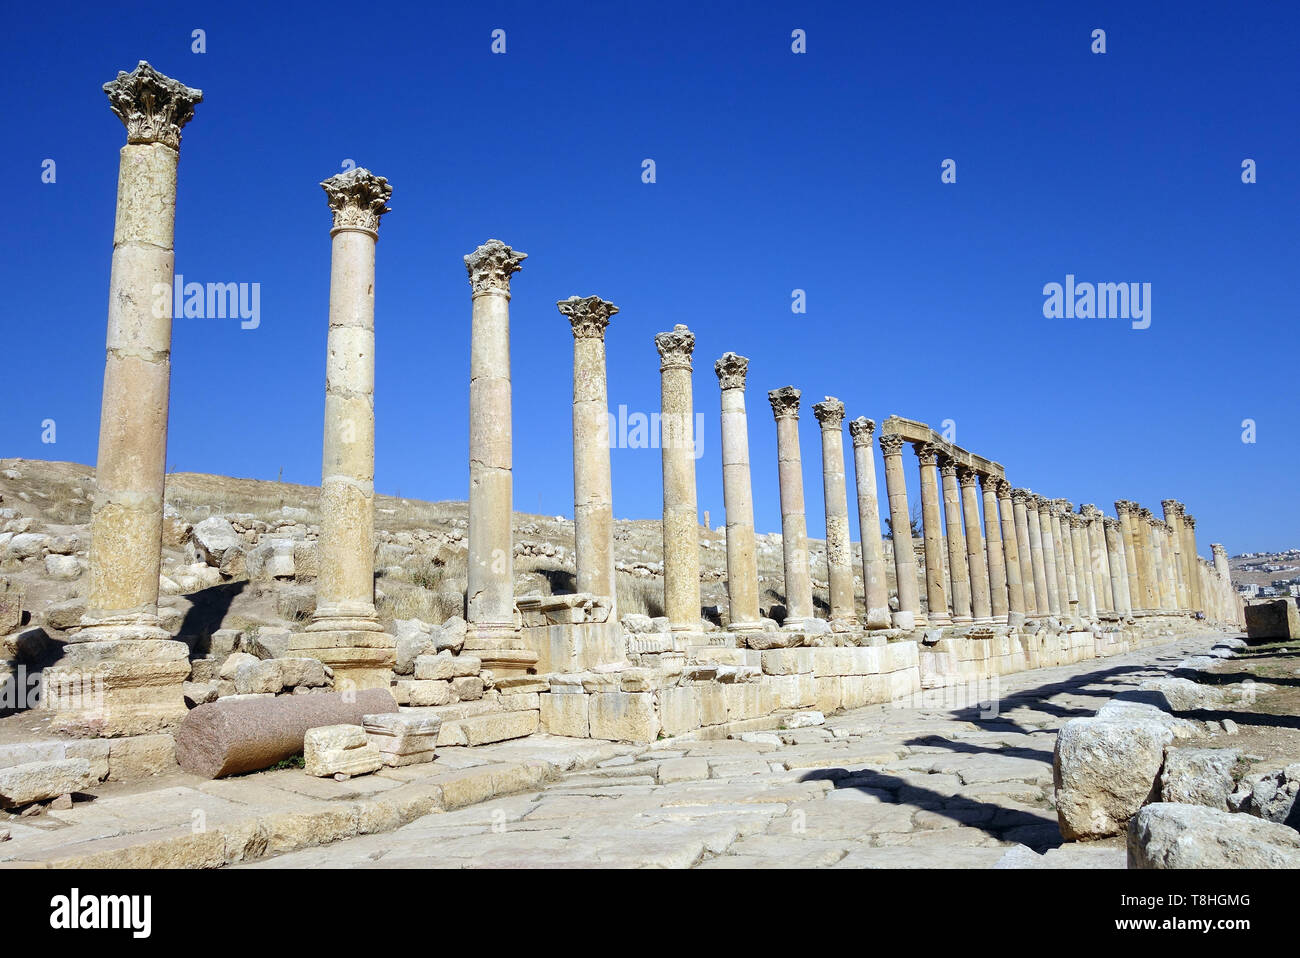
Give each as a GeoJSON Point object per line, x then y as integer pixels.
{"type": "Point", "coordinates": [880, 787]}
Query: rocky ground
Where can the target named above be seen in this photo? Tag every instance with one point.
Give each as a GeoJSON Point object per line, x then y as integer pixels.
{"type": "Point", "coordinates": [881, 787]}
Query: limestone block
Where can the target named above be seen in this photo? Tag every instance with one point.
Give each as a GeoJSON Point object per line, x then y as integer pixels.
{"type": "Point", "coordinates": [440, 666]}
{"type": "Point", "coordinates": [1104, 770]}
{"type": "Point", "coordinates": [485, 729]}
{"type": "Point", "coordinates": [1170, 835]}
{"type": "Point", "coordinates": [42, 781]}
{"type": "Point", "coordinates": [565, 715]}
{"type": "Point", "coordinates": [624, 716]}
{"type": "Point", "coordinates": [744, 701]}
{"type": "Point", "coordinates": [420, 692]}
{"type": "Point", "coordinates": [787, 661]}
{"type": "Point", "coordinates": [468, 688]}
{"type": "Point", "coordinates": [713, 704]}
{"type": "Point", "coordinates": [830, 693]}
{"type": "Point", "coordinates": [1198, 776]}
{"type": "Point", "coordinates": [339, 749]}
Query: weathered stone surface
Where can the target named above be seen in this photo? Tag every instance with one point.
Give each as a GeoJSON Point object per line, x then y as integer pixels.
{"type": "Point", "coordinates": [1271, 621]}
{"type": "Point", "coordinates": [213, 538]}
{"type": "Point", "coordinates": [1104, 771]}
{"type": "Point", "coordinates": [1271, 796]}
{"type": "Point", "coordinates": [1198, 776]}
{"type": "Point", "coordinates": [1168, 835]}
{"type": "Point", "coordinates": [42, 781]}
{"type": "Point", "coordinates": [225, 738]}
{"type": "Point", "coordinates": [339, 750]}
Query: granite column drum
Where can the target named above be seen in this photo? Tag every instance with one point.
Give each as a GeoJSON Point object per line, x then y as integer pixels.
{"type": "Point", "coordinates": [1050, 557]}
{"type": "Point", "coordinates": [742, 558]}
{"type": "Point", "coordinates": [344, 631]}
{"type": "Point", "coordinates": [874, 582]}
{"type": "Point", "coordinates": [681, 526]}
{"type": "Point", "coordinates": [839, 551]}
{"type": "Point", "coordinates": [493, 632]}
{"type": "Point", "coordinates": [1012, 544]}
{"type": "Point", "coordinates": [121, 672]}
{"type": "Point", "coordinates": [932, 529]}
{"type": "Point", "coordinates": [1020, 500]}
{"type": "Point", "coordinates": [909, 614]}
{"type": "Point", "coordinates": [593, 491]}
{"type": "Point", "coordinates": [977, 569]}
{"type": "Point", "coordinates": [794, 522]}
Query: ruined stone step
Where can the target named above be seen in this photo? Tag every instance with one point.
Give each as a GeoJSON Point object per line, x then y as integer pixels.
{"type": "Point", "coordinates": [485, 729]}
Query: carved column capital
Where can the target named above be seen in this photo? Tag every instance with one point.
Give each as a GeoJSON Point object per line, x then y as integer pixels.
{"type": "Point", "coordinates": [1089, 511]}
{"type": "Point", "coordinates": [1003, 488]}
{"type": "Point", "coordinates": [358, 199]}
{"type": "Point", "coordinates": [731, 368]}
{"type": "Point", "coordinates": [891, 444]}
{"type": "Point", "coordinates": [1189, 521]}
{"type": "Point", "coordinates": [927, 453]}
{"type": "Point", "coordinates": [1022, 495]}
{"type": "Point", "coordinates": [589, 315]}
{"type": "Point", "coordinates": [861, 430]}
{"type": "Point", "coordinates": [490, 267]}
{"type": "Point", "coordinates": [1110, 523]}
{"type": "Point", "coordinates": [829, 412]}
{"type": "Point", "coordinates": [966, 477]}
{"type": "Point", "coordinates": [675, 348]}
{"type": "Point", "coordinates": [785, 402]}
{"type": "Point", "coordinates": [947, 467]}
{"type": "Point", "coordinates": [151, 106]}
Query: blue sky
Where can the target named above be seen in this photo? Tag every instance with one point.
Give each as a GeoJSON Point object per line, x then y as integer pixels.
{"type": "Point", "coordinates": [775, 171]}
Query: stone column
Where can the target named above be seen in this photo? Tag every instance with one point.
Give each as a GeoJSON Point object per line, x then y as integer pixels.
{"type": "Point", "coordinates": [1115, 557]}
{"type": "Point", "coordinates": [344, 631]}
{"type": "Point", "coordinates": [1051, 558]}
{"type": "Point", "coordinates": [932, 529]}
{"type": "Point", "coordinates": [737, 494]}
{"type": "Point", "coordinates": [1038, 554]}
{"type": "Point", "coordinates": [900, 523]}
{"type": "Point", "coordinates": [976, 564]}
{"type": "Point", "coordinates": [492, 634]}
{"type": "Point", "coordinates": [1136, 587]}
{"type": "Point", "coordinates": [1083, 566]}
{"type": "Point", "coordinates": [1064, 557]}
{"type": "Point", "coordinates": [1017, 607]}
{"type": "Point", "coordinates": [1150, 559]}
{"type": "Point", "coordinates": [1095, 537]}
{"type": "Point", "coordinates": [1196, 601]}
{"type": "Point", "coordinates": [1173, 510]}
{"type": "Point", "coordinates": [681, 524]}
{"type": "Point", "coordinates": [1225, 600]}
{"type": "Point", "coordinates": [995, 556]}
{"type": "Point", "coordinates": [794, 523]}
{"type": "Point", "coordinates": [137, 668]}
{"type": "Point", "coordinates": [1020, 499]}
{"type": "Point", "coordinates": [1170, 577]}
{"type": "Point", "coordinates": [839, 551]}
{"type": "Point", "coordinates": [874, 583]}
{"type": "Point", "coordinates": [958, 559]}
{"type": "Point", "coordinates": [593, 491]}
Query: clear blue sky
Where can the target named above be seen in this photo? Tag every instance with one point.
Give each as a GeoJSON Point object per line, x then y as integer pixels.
{"type": "Point", "coordinates": [775, 171]}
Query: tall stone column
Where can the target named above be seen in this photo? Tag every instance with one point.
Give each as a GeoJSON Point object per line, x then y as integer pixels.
{"type": "Point", "coordinates": [1051, 558]}
{"type": "Point", "coordinates": [839, 552]}
{"type": "Point", "coordinates": [344, 631]}
{"type": "Point", "coordinates": [1098, 564]}
{"type": "Point", "coordinates": [1150, 558]}
{"type": "Point", "coordinates": [1195, 600]}
{"type": "Point", "coordinates": [1226, 599]}
{"type": "Point", "coordinates": [874, 582]}
{"type": "Point", "coordinates": [794, 522]}
{"type": "Point", "coordinates": [1128, 521]}
{"type": "Point", "coordinates": [976, 563]}
{"type": "Point", "coordinates": [737, 494]}
{"type": "Point", "coordinates": [1115, 557]}
{"type": "Point", "coordinates": [1170, 578]}
{"type": "Point", "coordinates": [958, 560]}
{"type": "Point", "coordinates": [1017, 607]}
{"type": "Point", "coordinates": [1038, 554]}
{"type": "Point", "coordinates": [593, 491]}
{"type": "Point", "coordinates": [995, 554]}
{"type": "Point", "coordinates": [1020, 500]}
{"type": "Point", "coordinates": [900, 524]}
{"type": "Point", "coordinates": [492, 633]}
{"type": "Point", "coordinates": [1064, 557]}
{"type": "Point", "coordinates": [137, 668]}
{"type": "Point", "coordinates": [932, 529]}
{"type": "Point", "coordinates": [1173, 510]}
{"type": "Point", "coordinates": [1083, 572]}
{"type": "Point", "coordinates": [681, 514]}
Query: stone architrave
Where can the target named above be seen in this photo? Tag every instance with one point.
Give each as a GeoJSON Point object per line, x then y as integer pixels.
{"type": "Point", "coordinates": [909, 613]}
{"type": "Point", "coordinates": [839, 549]}
{"type": "Point", "coordinates": [593, 492]}
{"type": "Point", "coordinates": [681, 523]}
{"type": "Point", "coordinates": [742, 557]}
{"type": "Point", "coordinates": [927, 455]}
{"type": "Point", "coordinates": [127, 663]}
{"type": "Point", "coordinates": [794, 522]}
{"type": "Point", "coordinates": [874, 581]}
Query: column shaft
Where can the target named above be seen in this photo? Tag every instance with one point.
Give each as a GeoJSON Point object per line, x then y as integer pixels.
{"type": "Point", "coordinates": [900, 524]}
{"type": "Point", "coordinates": [874, 582]}
{"type": "Point", "coordinates": [839, 551]}
{"type": "Point", "coordinates": [996, 555]}
{"type": "Point", "coordinates": [794, 523]}
{"type": "Point", "coordinates": [681, 514]}
{"type": "Point", "coordinates": [1014, 548]}
{"type": "Point", "coordinates": [742, 560]}
{"type": "Point", "coordinates": [976, 563]}
{"type": "Point", "coordinates": [932, 529]}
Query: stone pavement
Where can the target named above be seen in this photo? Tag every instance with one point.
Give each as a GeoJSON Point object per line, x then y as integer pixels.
{"type": "Point", "coordinates": [881, 787]}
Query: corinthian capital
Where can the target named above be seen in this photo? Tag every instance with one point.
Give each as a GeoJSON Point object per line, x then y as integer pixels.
{"type": "Point", "coordinates": [589, 315]}
{"type": "Point", "coordinates": [1089, 511]}
{"type": "Point", "coordinates": [927, 453]}
{"type": "Point", "coordinates": [1003, 488]}
{"type": "Point", "coordinates": [675, 348]}
{"type": "Point", "coordinates": [966, 477]}
{"type": "Point", "coordinates": [358, 198]}
{"type": "Point", "coordinates": [861, 429]}
{"type": "Point", "coordinates": [829, 412]}
{"type": "Point", "coordinates": [731, 369]}
{"type": "Point", "coordinates": [1189, 521]}
{"type": "Point", "coordinates": [891, 444]}
{"type": "Point", "coordinates": [490, 266]}
{"type": "Point", "coordinates": [152, 107]}
{"type": "Point", "coordinates": [785, 402]}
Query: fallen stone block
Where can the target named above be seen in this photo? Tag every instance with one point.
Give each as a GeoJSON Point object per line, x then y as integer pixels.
{"type": "Point", "coordinates": [339, 750]}
{"type": "Point", "coordinates": [1199, 776]}
{"type": "Point", "coordinates": [403, 738]}
{"type": "Point", "coordinates": [42, 781]}
{"type": "Point", "coordinates": [228, 737]}
{"type": "Point", "coordinates": [1105, 770]}
{"type": "Point", "coordinates": [1167, 835]}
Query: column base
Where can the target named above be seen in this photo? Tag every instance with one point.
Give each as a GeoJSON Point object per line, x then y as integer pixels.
{"type": "Point", "coordinates": [360, 659]}
{"type": "Point", "coordinates": [845, 625]}
{"type": "Point", "coordinates": [501, 648]}
{"type": "Point", "coordinates": [938, 620]}
{"type": "Point", "coordinates": [878, 618]}
{"type": "Point", "coordinates": [907, 621]}
{"type": "Point", "coordinates": [755, 626]}
{"type": "Point", "coordinates": [119, 686]}
{"type": "Point", "coordinates": [344, 623]}
{"type": "Point", "coordinates": [963, 620]}
{"type": "Point", "coordinates": [1016, 620]}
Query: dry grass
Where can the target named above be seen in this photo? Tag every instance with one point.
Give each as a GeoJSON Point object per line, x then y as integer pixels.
{"type": "Point", "coordinates": [639, 594]}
